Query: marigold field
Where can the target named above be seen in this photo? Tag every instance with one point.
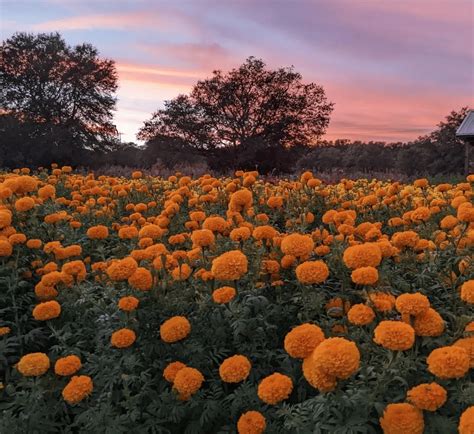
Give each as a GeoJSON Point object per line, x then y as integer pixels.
{"type": "Point", "coordinates": [224, 305]}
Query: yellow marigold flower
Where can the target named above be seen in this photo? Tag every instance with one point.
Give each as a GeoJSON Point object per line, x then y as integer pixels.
{"type": "Point", "coordinates": [175, 329]}
{"type": "Point", "coordinates": [412, 304]}
{"type": "Point", "coordinates": [360, 314]}
{"type": "Point", "coordinates": [5, 330]}
{"type": "Point", "coordinates": [235, 369]}
{"type": "Point", "coordinates": [297, 245]}
{"type": "Point", "coordinates": [428, 323]}
{"type": "Point", "coordinates": [141, 279]}
{"type": "Point", "coordinates": [123, 338]}
{"type": "Point", "coordinates": [47, 310]}
{"type": "Point", "coordinates": [98, 232]}
{"type": "Point", "coordinates": [468, 345]}
{"type": "Point", "coordinates": [365, 276]}
{"type": "Point", "coordinates": [230, 265]}
{"type": "Point", "coordinates": [466, 422]}
{"type": "Point", "coordinates": [275, 388]}
{"type": "Point", "coordinates": [33, 364]}
{"type": "Point", "coordinates": [68, 365]}
{"type": "Point", "coordinates": [24, 204]}
{"type": "Point", "coordinates": [128, 304]}
{"type": "Point", "coordinates": [78, 388]}
{"type": "Point", "coordinates": [394, 335]}
{"type": "Point", "coordinates": [337, 357]}
{"type": "Point", "coordinates": [402, 418]}
{"type": "Point", "coordinates": [251, 422]}
{"type": "Point", "coordinates": [382, 301]}
{"type": "Point", "coordinates": [467, 291]}
{"type": "Point", "coordinates": [311, 272]}
{"type": "Point", "coordinates": [301, 341]}
{"type": "Point", "coordinates": [187, 382]}
{"type": "Point", "coordinates": [362, 255]}
{"type": "Point", "coordinates": [122, 269]}
{"type": "Point", "coordinates": [171, 370]}
{"type": "Point", "coordinates": [224, 294]}
{"type": "Point", "coordinates": [448, 362]}
{"type": "Point", "coordinates": [428, 397]}
{"type": "Point", "coordinates": [6, 249]}
{"type": "Point", "coordinates": [315, 376]}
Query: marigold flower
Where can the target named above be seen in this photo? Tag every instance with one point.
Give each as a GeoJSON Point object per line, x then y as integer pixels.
{"type": "Point", "coordinates": [141, 279]}
{"type": "Point", "coordinates": [240, 234]}
{"type": "Point", "coordinates": [33, 364]}
{"type": "Point", "coordinates": [47, 310]}
{"type": "Point", "coordinates": [365, 276]}
{"type": "Point", "coordinates": [187, 382]}
{"type": "Point", "coordinates": [468, 345]}
{"type": "Point", "coordinates": [448, 362]}
{"type": "Point", "coordinates": [171, 370]}
{"type": "Point", "coordinates": [175, 329]}
{"type": "Point", "coordinates": [34, 243]}
{"type": "Point", "coordinates": [315, 376]}
{"type": "Point", "coordinates": [123, 338]}
{"type": "Point", "coordinates": [466, 422]}
{"type": "Point", "coordinates": [312, 272]}
{"type": "Point", "coordinates": [275, 388]}
{"type": "Point", "coordinates": [301, 341]}
{"type": "Point", "coordinates": [6, 249]}
{"type": "Point", "coordinates": [68, 365]}
{"type": "Point", "coordinates": [428, 397]}
{"type": "Point", "coordinates": [362, 255]}
{"type": "Point", "coordinates": [235, 369]}
{"type": "Point", "coordinates": [78, 388]}
{"type": "Point", "coordinates": [402, 418]}
{"type": "Point", "coordinates": [4, 331]}
{"type": "Point", "coordinates": [394, 335]}
{"type": "Point", "coordinates": [203, 238]}
{"type": "Point", "coordinates": [382, 301]}
{"type": "Point", "coordinates": [467, 291]}
{"type": "Point", "coordinates": [405, 239]}
{"type": "Point", "coordinates": [122, 269]}
{"type": "Point", "coordinates": [251, 422]}
{"type": "Point", "coordinates": [128, 304]}
{"type": "Point", "coordinates": [24, 204]}
{"type": "Point", "coordinates": [360, 314]}
{"type": "Point", "coordinates": [215, 224]}
{"type": "Point", "coordinates": [230, 265]}
{"type": "Point", "coordinates": [428, 323]}
{"type": "Point", "coordinates": [265, 232]}
{"type": "Point", "coordinates": [337, 357]}
{"type": "Point", "coordinates": [297, 245]}
{"type": "Point", "coordinates": [98, 232]}
{"type": "Point", "coordinates": [224, 294]}
{"type": "Point", "coordinates": [412, 304]}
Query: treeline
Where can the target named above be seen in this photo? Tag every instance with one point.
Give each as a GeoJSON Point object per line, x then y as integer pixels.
{"type": "Point", "coordinates": [57, 103]}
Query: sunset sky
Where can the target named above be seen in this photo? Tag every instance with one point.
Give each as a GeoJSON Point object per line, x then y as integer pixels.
{"type": "Point", "coordinates": [393, 68]}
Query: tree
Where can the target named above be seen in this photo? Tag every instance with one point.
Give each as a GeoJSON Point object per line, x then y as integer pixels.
{"type": "Point", "coordinates": [66, 93]}
{"type": "Point", "coordinates": [248, 108]}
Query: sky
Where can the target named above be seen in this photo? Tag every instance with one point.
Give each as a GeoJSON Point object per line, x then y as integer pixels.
{"type": "Point", "coordinates": [393, 68]}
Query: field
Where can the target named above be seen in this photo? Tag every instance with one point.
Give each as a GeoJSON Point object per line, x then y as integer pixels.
{"type": "Point", "coordinates": [219, 305]}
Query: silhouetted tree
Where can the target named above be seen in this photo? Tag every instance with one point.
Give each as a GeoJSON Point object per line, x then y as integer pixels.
{"type": "Point", "coordinates": [246, 112]}
{"type": "Point", "coordinates": [61, 96]}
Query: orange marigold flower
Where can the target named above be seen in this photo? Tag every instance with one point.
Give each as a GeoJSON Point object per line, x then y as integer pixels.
{"type": "Point", "coordinates": [429, 323]}
{"type": "Point", "coordinates": [215, 224]}
{"type": "Point", "coordinates": [123, 338]}
{"type": "Point", "coordinates": [203, 238]}
{"type": "Point", "coordinates": [428, 397]}
{"type": "Point", "coordinates": [98, 232]}
{"type": "Point", "coordinates": [311, 272]}
{"type": "Point", "coordinates": [302, 340]}
{"type": "Point", "coordinates": [382, 301]}
{"type": "Point", "coordinates": [401, 419]}
{"type": "Point", "coordinates": [47, 310]}
{"type": "Point", "coordinates": [466, 422]}
{"type": "Point", "coordinates": [275, 388]}
{"type": "Point", "coordinates": [405, 239]}
{"type": "Point", "coordinates": [141, 279]}
{"type": "Point", "coordinates": [360, 314]}
{"type": "Point", "coordinates": [5, 330]}
{"type": "Point", "coordinates": [187, 382]}
{"type": "Point", "coordinates": [467, 291]}
{"type": "Point", "coordinates": [6, 249]}
{"type": "Point", "coordinates": [224, 294]}
{"type": "Point", "coordinates": [235, 369]}
{"type": "Point", "coordinates": [394, 335]}
{"type": "Point", "coordinates": [265, 232]}
{"type": "Point", "coordinates": [230, 265]}
{"type": "Point", "coordinates": [122, 269]}
{"type": "Point", "coordinates": [171, 370]}
{"type": "Point", "coordinates": [33, 364]}
{"type": "Point", "coordinates": [251, 422]}
{"type": "Point", "coordinates": [34, 243]}
{"type": "Point", "coordinates": [175, 329]}
{"type": "Point", "coordinates": [297, 245]}
{"type": "Point", "coordinates": [468, 345]}
{"type": "Point", "coordinates": [362, 255]}
{"type": "Point", "coordinates": [24, 204]}
{"type": "Point", "coordinates": [128, 304]}
{"type": "Point", "coordinates": [448, 362]}
{"type": "Point", "coordinates": [412, 304]}
{"type": "Point", "coordinates": [317, 377]}
{"type": "Point", "coordinates": [240, 234]}
{"type": "Point", "coordinates": [337, 357]}
{"type": "Point", "coordinates": [365, 276]}
{"type": "Point", "coordinates": [78, 388]}
{"type": "Point", "coordinates": [68, 365]}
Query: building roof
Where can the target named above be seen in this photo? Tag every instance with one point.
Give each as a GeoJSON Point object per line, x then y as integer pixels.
{"type": "Point", "coordinates": [466, 129]}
